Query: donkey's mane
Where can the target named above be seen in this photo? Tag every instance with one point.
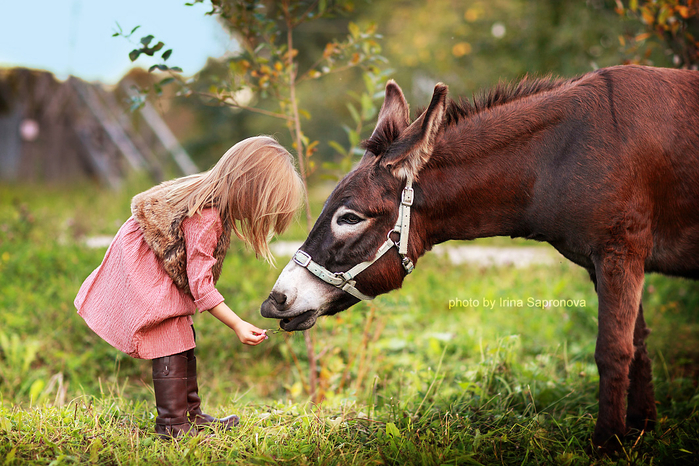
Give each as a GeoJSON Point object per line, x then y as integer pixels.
{"type": "Point", "coordinates": [503, 93]}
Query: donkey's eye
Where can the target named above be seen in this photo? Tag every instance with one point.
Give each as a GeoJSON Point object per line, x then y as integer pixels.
{"type": "Point", "coordinates": [349, 219]}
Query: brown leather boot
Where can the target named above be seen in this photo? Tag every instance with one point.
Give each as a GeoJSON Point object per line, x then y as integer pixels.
{"type": "Point", "coordinates": [196, 416]}
{"type": "Point", "coordinates": [170, 384]}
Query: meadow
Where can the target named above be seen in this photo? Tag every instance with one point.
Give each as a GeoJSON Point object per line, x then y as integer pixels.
{"type": "Point", "coordinates": [428, 374]}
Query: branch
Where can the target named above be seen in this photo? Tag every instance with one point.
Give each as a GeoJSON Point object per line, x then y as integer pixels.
{"type": "Point", "coordinates": [245, 107]}
{"type": "Point", "coordinates": [303, 17]}
{"type": "Point", "coordinates": [340, 69]}
{"type": "Point", "coordinates": [295, 109]}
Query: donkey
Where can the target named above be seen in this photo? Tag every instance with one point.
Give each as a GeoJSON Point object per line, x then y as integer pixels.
{"type": "Point", "coordinates": [604, 167]}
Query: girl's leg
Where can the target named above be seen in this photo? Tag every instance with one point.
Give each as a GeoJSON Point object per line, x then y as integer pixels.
{"type": "Point", "coordinates": [196, 416]}
{"type": "Point", "coordinates": [170, 384]}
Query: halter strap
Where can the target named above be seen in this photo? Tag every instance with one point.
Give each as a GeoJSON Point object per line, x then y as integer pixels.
{"type": "Point", "coordinates": [403, 225]}
{"type": "Point", "coordinates": [345, 280]}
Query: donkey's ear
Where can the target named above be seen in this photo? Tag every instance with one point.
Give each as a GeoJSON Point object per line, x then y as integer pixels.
{"type": "Point", "coordinates": [413, 149]}
{"type": "Point", "coordinates": [394, 115]}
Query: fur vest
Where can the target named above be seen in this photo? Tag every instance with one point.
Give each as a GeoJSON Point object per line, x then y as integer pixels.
{"type": "Point", "coordinates": [161, 227]}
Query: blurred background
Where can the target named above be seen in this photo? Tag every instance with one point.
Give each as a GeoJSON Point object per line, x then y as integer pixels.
{"type": "Point", "coordinates": [469, 45]}
{"type": "Point", "coordinates": [100, 100]}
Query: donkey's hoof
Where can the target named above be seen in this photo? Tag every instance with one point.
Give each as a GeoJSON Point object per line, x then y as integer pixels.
{"type": "Point", "coordinates": [609, 447]}
{"type": "Point", "coordinates": [637, 424]}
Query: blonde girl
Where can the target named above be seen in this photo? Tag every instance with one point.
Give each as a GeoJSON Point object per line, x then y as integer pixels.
{"type": "Point", "coordinates": [165, 260]}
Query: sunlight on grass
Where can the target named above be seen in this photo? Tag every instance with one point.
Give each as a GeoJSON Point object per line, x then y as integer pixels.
{"type": "Point", "coordinates": [463, 365]}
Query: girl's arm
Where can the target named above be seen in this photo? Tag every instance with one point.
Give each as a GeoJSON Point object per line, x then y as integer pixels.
{"type": "Point", "coordinates": [247, 333]}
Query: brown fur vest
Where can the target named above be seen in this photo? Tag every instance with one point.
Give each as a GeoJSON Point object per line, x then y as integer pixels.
{"type": "Point", "coordinates": [160, 225]}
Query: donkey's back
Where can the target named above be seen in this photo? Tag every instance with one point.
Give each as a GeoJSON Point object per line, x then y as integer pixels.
{"type": "Point", "coordinates": [665, 146]}
{"type": "Point", "coordinates": [640, 154]}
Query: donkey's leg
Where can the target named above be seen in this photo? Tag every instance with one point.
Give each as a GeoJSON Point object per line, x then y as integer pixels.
{"type": "Point", "coordinates": [619, 285]}
{"type": "Point", "coordinates": [641, 413]}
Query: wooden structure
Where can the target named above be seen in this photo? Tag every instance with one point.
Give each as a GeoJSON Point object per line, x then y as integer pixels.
{"type": "Point", "coordinates": [53, 131]}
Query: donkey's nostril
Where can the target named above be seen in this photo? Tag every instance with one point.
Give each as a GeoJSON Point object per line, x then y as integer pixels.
{"type": "Point", "coordinates": [278, 298]}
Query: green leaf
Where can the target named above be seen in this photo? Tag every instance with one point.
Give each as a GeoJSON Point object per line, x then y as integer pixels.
{"type": "Point", "coordinates": [11, 456]}
{"type": "Point", "coordinates": [35, 390]}
{"type": "Point", "coordinates": [338, 147]}
{"type": "Point", "coordinates": [133, 30]}
{"type": "Point", "coordinates": [354, 29]}
{"type": "Point", "coordinates": [159, 66]}
{"type": "Point", "coordinates": [166, 54]}
{"type": "Point", "coordinates": [176, 68]}
{"type": "Point", "coordinates": [5, 424]}
{"type": "Point", "coordinates": [95, 448]}
{"type": "Point", "coordinates": [158, 46]}
{"type": "Point", "coordinates": [355, 114]}
{"type": "Point", "coordinates": [369, 83]}
{"type": "Point", "coordinates": [134, 54]}
{"type": "Point", "coordinates": [392, 430]}
{"type": "Point", "coordinates": [146, 40]}
{"type": "Point", "coordinates": [354, 138]}
{"type": "Point", "coordinates": [367, 107]}
{"type": "Point", "coordinates": [664, 14]}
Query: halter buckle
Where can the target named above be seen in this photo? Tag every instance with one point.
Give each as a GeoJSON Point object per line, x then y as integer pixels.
{"type": "Point", "coordinates": [344, 277]}
{"type": "Point", "coordinates": [406, 197]}
{"type": "Point", "coordinates": [407, 265]}
{"type": "Point", "coordinates": [302, 258]}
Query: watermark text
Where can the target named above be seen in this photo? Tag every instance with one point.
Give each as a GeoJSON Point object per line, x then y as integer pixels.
{"type": "Point", "coordinates": [516, 302]}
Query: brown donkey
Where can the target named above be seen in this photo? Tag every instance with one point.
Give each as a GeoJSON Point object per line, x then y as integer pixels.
{"type": "Point", "coordinates": [604, 167]}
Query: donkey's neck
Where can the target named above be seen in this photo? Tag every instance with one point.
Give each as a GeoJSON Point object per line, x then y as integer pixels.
{"type": "Point", "coordinates": [480, 179]}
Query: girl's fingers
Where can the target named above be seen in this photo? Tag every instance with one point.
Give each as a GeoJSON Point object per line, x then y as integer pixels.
{"type": "Point", "coordinates": [256, 338]}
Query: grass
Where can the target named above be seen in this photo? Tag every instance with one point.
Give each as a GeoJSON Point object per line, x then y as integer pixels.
{"type": "Point", "coordinates": [405, 379]}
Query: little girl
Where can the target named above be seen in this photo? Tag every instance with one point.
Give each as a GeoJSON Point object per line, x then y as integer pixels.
{"type": "Point", "coordinates": [165, 260]}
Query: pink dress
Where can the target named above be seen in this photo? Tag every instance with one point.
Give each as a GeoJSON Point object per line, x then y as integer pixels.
{"type": "Point", "coordinates": [133, 304]}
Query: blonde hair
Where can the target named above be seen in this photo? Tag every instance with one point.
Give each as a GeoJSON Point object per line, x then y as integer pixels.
{"type": "Point", "coordinates": [254, 186]}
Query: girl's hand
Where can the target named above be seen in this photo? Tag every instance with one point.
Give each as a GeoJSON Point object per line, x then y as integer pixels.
{"type": "Point", "coordinates": [249, 334]}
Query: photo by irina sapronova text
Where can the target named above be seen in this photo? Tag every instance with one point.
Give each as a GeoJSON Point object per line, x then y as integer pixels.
{"type": "Point", "coordinates": [516, 302]}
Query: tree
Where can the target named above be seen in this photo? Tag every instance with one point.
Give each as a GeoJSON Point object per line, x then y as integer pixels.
{"type": "Point", "coordinates": [473, 44]}
{"type": "Point", "coordinates": [669, 25]}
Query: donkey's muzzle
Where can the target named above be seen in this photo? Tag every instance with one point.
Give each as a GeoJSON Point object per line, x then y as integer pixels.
{"type": "Point", "coordinates": [274, 307]}
{"type": "Point", "coordinates": [278, 298]}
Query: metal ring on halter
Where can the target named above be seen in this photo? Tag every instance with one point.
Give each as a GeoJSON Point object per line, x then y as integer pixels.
{"type": "Point", "coordinates": [388, 236]}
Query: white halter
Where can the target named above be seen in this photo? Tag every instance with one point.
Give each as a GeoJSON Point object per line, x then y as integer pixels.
{"type": "Point", "coordinates": [345, 280]}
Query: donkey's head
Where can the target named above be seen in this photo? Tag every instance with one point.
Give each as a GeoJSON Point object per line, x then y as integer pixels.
{"type": "Point", "coordinates": [353, 250]}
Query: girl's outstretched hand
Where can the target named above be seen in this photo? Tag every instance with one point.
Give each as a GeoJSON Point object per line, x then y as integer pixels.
{"type": "Point", "coordinates": [247, 333]}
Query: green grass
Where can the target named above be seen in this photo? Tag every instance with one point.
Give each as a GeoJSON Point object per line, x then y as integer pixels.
{"type": "Point", "coordinates": [405, 379]}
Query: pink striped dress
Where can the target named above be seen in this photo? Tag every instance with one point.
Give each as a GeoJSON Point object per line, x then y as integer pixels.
{"type": "Point", "coordinates": [133, 304]}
